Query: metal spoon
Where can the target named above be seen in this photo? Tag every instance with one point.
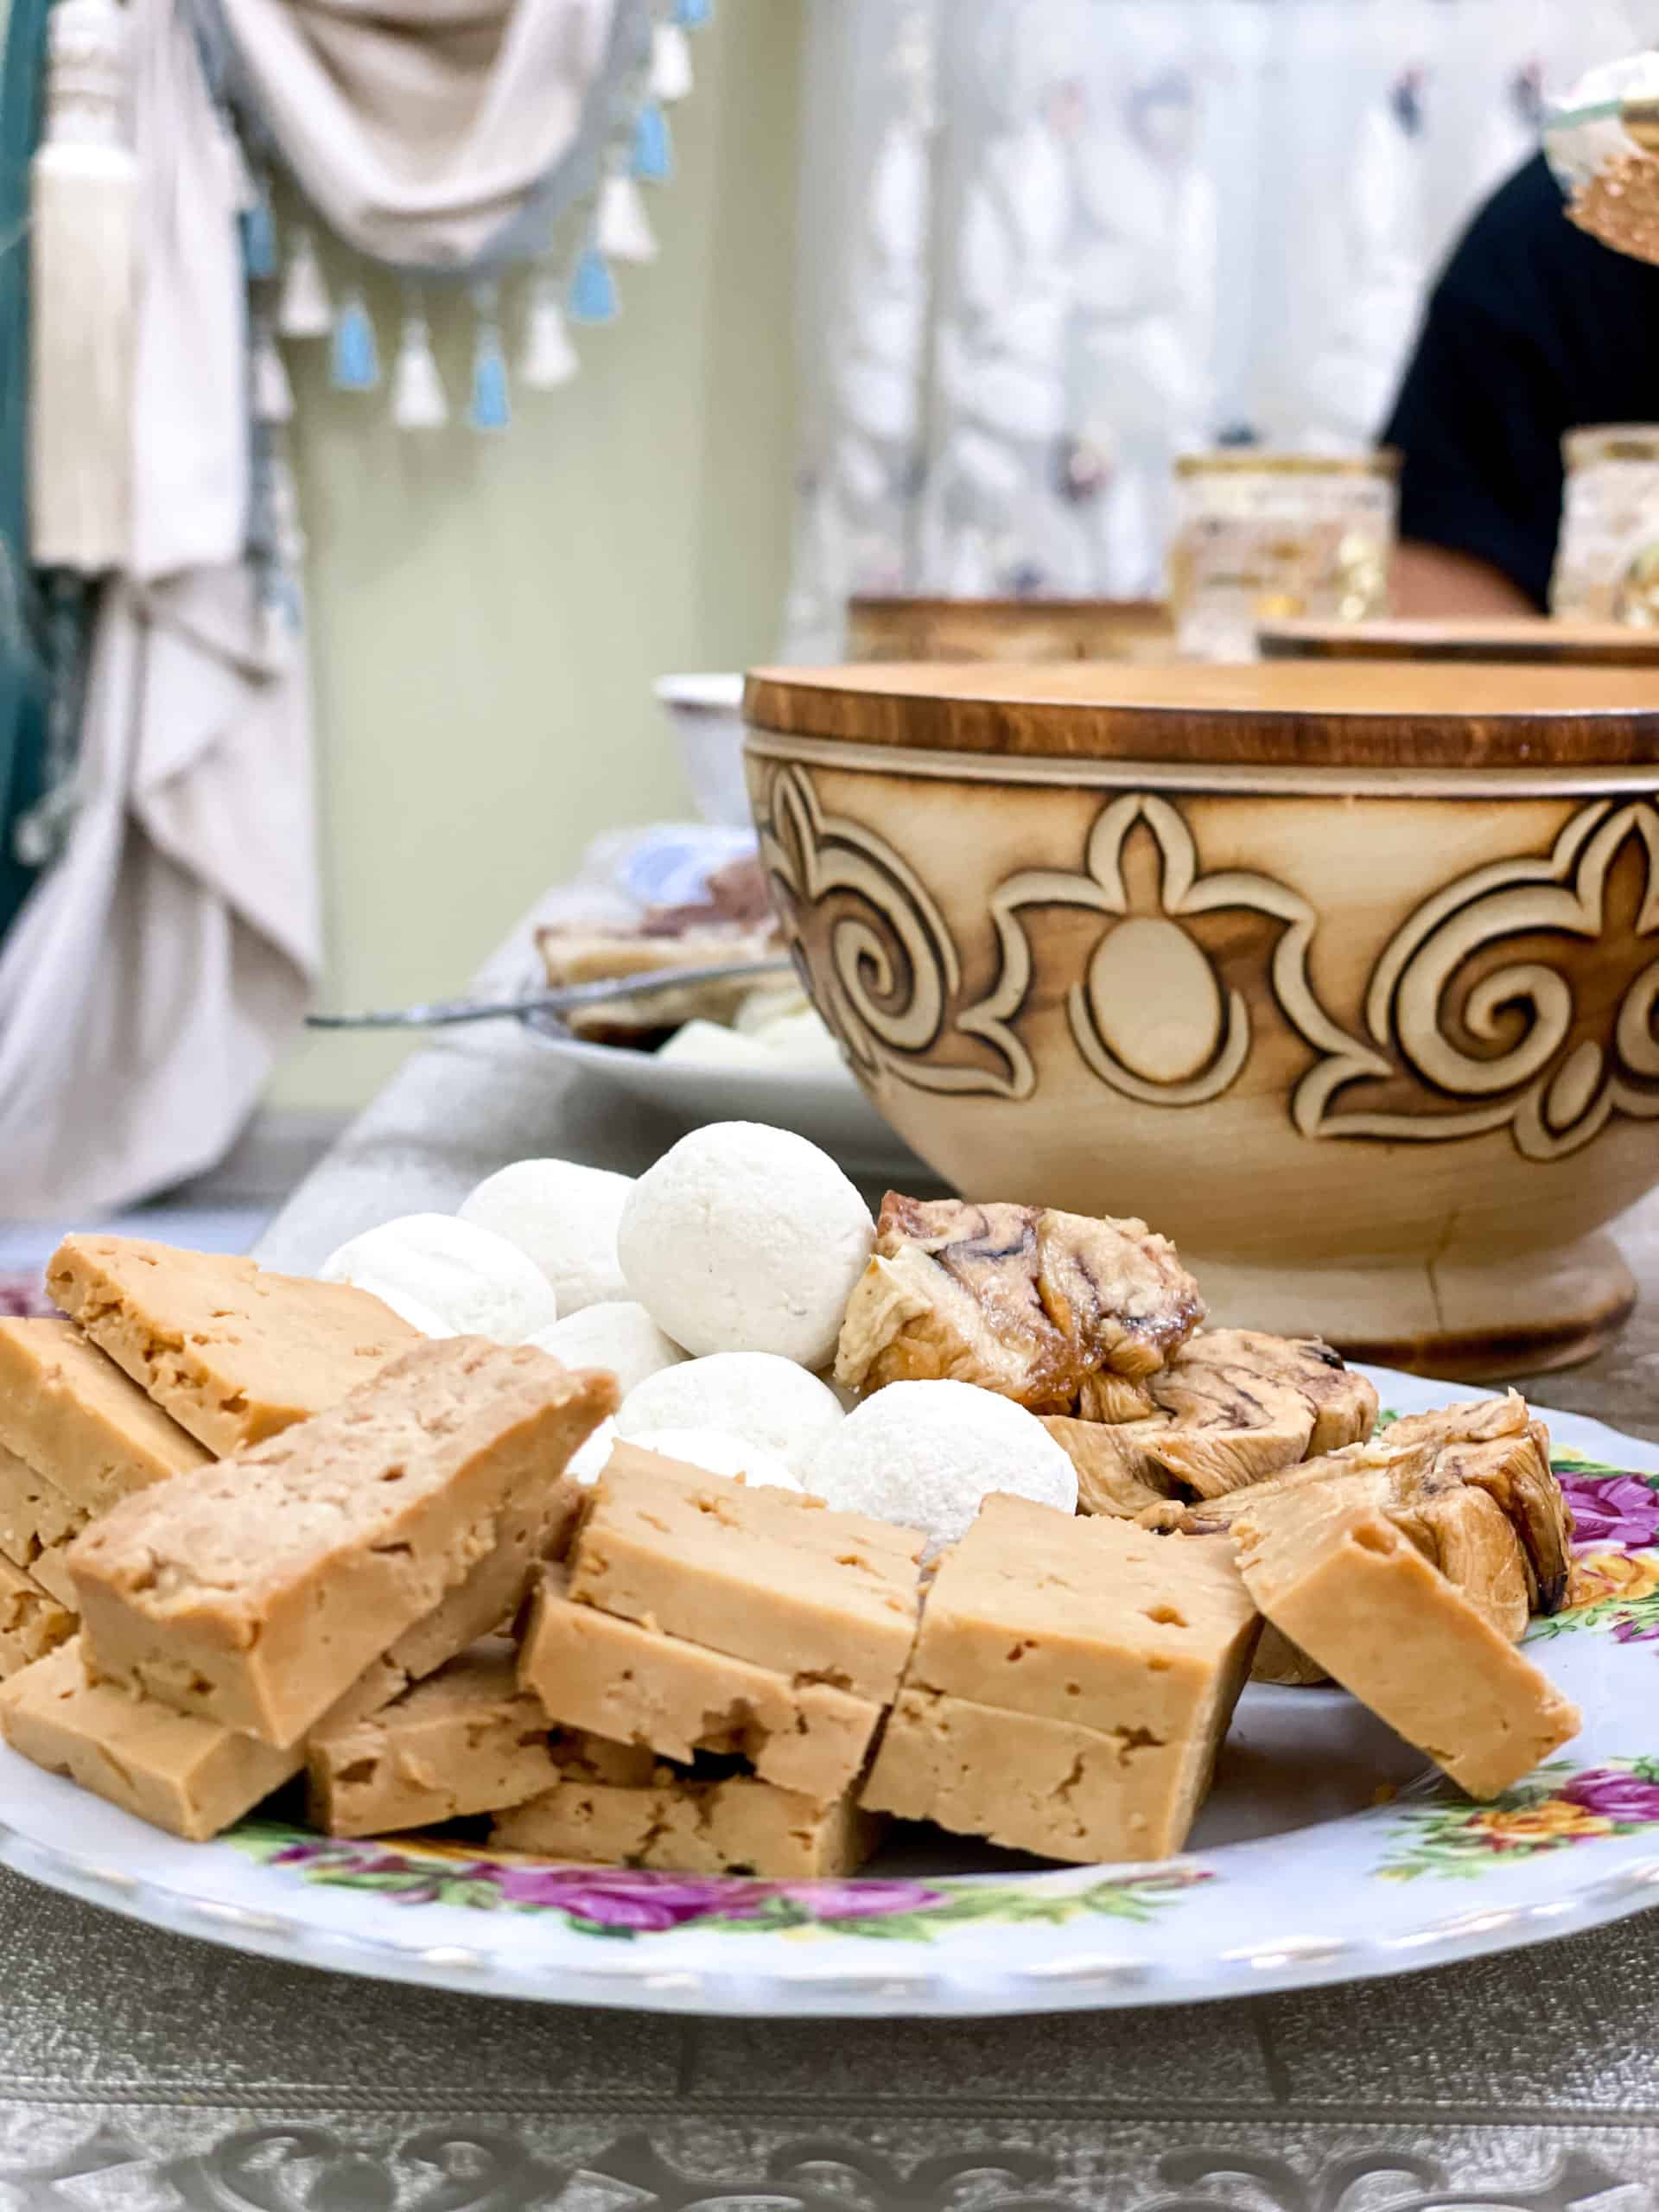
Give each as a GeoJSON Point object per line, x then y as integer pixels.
{"type": "Point", "coordinates": [571, 998]}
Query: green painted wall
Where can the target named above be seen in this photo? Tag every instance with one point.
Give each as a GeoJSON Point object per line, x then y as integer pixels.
{"type": "Point", "coordinates": [487, 613]}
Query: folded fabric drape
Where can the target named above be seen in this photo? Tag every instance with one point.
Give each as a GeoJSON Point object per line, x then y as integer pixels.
{"type": "Point", "coordinates": [429, 141]}
{"type": "Point", "coordinates": [156, 969]}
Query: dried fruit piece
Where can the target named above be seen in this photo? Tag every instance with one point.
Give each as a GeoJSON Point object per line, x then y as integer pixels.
{"type": "Point", "coordinates": [1038, 1306]}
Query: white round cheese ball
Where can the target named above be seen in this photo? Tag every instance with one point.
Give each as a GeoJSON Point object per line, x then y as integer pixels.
{"type": "Point", "coordinates": [746, 1238]}
{"type": "Point", "coordinates": [718, 1452]}
{"type": "Point", "coordinates": [565, 1217]}
{"type": "Point", "coordinates": [616, 1333]}
{"type": "Point", "coordinates": [756, 1395]}
{"type": "Point", "coordinates": [587, 1462]}
{"type": "Point", "coordinates": [409, 1309]}
{"type": "Point", "coordinates": [475, 1282]}
{"type": "Point", "coordinates": [927, 1455]}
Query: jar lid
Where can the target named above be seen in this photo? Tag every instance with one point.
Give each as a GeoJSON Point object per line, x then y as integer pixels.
{"type": "Point", "coordinates": [1521, 638]}
{"type": "Point", "coordinates": [1594, 441]}
{"type": "Point", "coordinates": [1255, 461]}
{"type": "Point", "coordinates": [1382, 713]}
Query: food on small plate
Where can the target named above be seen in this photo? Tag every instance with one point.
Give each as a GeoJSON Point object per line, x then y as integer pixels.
{"type": "Point", "coordinates": [648, 1588]}
{"type": "Point", "coordinates": [1346, 1584]}
{"type": "Point", "coordinates": [1023, 1301]}
{"type": "Point", "coordinates": [254, 1592]}
{"type": "Point", "coordinates": [564, 1217]}
{"type": "Point", "coordinates": [743, 1237]}
{"type": "Point", "coordinates": [617, 1334]}
{"type": "Point", "coordinates": [667, 938]}
{"type": "Point", "coordinates": [1232, 1407]}
{"type": "Point", "coordinates": [927, 1455]}
{"type": "Point", "coordinates": [1070, 1688]}
{"type": "Point", "coordinates": [468, 1281]}
{"type": "Point", "coordinates": [231, 1353]}
{"type": "Point", "coordinates": [762, 1398]}
{"type": "Point", "coordinates": [618, 1807]}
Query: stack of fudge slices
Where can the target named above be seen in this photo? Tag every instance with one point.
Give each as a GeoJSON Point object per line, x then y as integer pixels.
{"type": "Point", "coordinates": [258, 1530]}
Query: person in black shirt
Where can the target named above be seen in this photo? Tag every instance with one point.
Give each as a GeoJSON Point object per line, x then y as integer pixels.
{"type": "Point", "coordinates": [1533, 329]}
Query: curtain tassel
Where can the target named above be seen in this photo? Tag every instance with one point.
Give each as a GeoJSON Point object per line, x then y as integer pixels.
{"type": "Point", "coordinates": [418, 400]}
{"type": "Point", "coordinates": [491, 409]}
{"type": "Point", "coordinates": [670, 63]}
{"type": "Point", "coordinates": [623, 229]}
{"type": "Point", "coordinates": [593, 290]}
{"type": "Point", "coordinates": [549, 359]}
{"type": "Point", "coordinates": [304, 309]}
{"type": "Point", "coordinates": [653, 149]}
{"type": "Point", "coordinates": [356, 364]}
{"type": "Point", "coordinates": [83, 287]}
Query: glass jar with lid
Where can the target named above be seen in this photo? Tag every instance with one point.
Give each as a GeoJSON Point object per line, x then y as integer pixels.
{"type": "Point", "coordinates": [1607, 557]}
{"type": "Point", "coordinates": [1266, 537]}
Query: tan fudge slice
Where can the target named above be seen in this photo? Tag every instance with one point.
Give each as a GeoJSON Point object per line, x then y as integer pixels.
{"type": "Point", "coordinates": [190, 1777]}
{"type": "Point", "coordinates": [34, 1515]}
{"type": "Point", "coordinates": [32, 1622]}
{"type": "Point", "coordinates": [617, 1679]}
{"type": "Point", "coordinates": [233, 1353]}
{"type": "Point", "coordinates": [741, 1826]}
{"type": "Point", "coordinates": [257, 1591]}
{"type": "Point", "coordinates": [466, 1740]}
{"type": "Point", "coordinates": [1352, 1591]}
{"type": "Point", "coordinates": [767, 1575]}
{"type": "Point", "coordinates": [1051, 1643]}
{"type": "Point", "coordinates": [68, 1411]}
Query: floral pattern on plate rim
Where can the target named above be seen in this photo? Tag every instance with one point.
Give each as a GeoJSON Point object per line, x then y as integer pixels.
{"type": "Point", "coordinates": [624, 1901]}
{"type": "Point", "coordinates": [1614, 1587]}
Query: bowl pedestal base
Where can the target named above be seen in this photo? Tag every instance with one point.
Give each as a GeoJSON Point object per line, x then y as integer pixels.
{"type": "Point", "coordinates": [1467, 1319]}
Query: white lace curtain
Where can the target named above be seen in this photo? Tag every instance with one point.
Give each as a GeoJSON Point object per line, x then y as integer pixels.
{"type": "Point", "coordinates": [1046, 244]}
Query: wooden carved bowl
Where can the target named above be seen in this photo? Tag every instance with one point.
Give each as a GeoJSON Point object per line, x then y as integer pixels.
{"type": "Point", "coordinates": [1025, 630]}
{"type": "Point", "coordinates": [1347, 977]}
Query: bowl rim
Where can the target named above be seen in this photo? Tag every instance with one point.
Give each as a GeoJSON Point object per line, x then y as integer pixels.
{"type": "Point", "coordinates": [1289, 713]}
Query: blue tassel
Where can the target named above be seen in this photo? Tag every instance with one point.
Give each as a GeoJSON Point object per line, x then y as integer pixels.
{"type": "Point", "coordinates": [692, 15]}
{"type": "Point", "coordinates": [491, 409]}
{"type": "Point", "coordinates": [593, 291]}
{"type": "Point", "coordinates": [356, 359]}
{"type": "Point", "coordinates": [653, 149]}
{"type": "Point", "coordinates": [259, 239]}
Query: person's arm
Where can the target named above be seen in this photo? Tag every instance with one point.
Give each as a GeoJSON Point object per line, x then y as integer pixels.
{"type": "Point", "coordinates": [1433, 580]}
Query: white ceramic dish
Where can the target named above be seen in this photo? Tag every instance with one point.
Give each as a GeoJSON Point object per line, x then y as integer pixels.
{"type": "Point", "coordinates": [827, 1106]}
{"type": "Point", "coordinates": [1295, 1875]}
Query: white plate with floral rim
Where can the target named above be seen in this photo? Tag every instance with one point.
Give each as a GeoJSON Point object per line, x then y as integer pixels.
{"type": "Point", "coordinates": [1327, 1853]}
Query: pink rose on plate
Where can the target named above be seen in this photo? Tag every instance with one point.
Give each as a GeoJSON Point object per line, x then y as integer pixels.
{"type": "Point", "coordinates": [1614, 1794]}
{"type": "Point", "coordinates": [1621, 1510]}
{"type": "Point", "coordinates": [618, 1896]}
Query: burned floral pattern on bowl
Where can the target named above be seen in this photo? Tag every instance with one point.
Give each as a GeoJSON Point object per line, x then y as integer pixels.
{"type": "Point", "coordinates": [622, 1901]}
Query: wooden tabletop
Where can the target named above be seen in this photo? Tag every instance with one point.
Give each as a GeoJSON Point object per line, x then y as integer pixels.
{"type": "Point", "coordinates": [1309, 712]}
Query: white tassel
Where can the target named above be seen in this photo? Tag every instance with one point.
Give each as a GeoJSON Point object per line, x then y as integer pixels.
{"type": "Point", "coordinates": [624, 231]}
{"type": "Point", "coordinates": [304, 309]}
{"type": "Point", "coordinates": [549, 359]}
{"type": "Point", "coordinates": [83, 291]}
{"type": "Point", "coordinates": [418, 401]}
{"type": "Point", "coordinates": [670, 63]}
{"type": "Point", "coordinates": [273, 395]}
